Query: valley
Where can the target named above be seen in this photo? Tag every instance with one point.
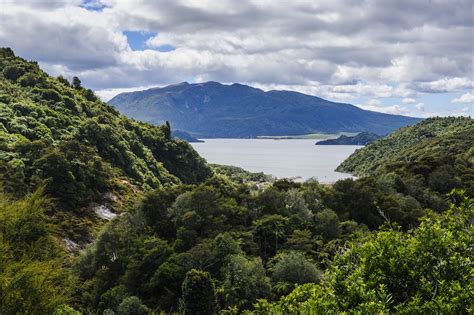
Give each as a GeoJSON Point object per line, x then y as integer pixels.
{"type": "Point", "coordinates": [104, 214]}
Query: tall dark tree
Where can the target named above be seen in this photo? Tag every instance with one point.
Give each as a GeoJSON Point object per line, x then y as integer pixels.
{"type": "Point", "coordinates": [199, 296]}
{"type": "Point", "coordinates": [76, 83]}
{"type": "Point", "coordinates": [167, 130]}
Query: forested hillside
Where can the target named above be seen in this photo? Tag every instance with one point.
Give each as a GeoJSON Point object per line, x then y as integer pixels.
{"type": "Point", "coordinates": [196, 239]}
{"type": "Point", "coordinates": [59, 135]}
{"type": "Point", "coordinates": [435, 142]}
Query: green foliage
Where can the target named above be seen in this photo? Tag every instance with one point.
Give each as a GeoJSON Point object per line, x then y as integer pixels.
{"type": "Point", "coordinates": [425, 140]}
{"type": "Point", "coordinates": [270, 234]}
{"type": "Point", "coordinates": [76, 83]}
{"type": "Point", "coordinates": [425, 270]}
{"type": "Point", "coordinates": [295, 268]}
{"type": "Point", "coordinates": [32, 278]}
{"type": "Point", "coordinates": [240, 175]}
{"type": "Point", "coordinates": [65, 310]}
{"type": "Point", "coordinates": [81, 149]}
{"type": "Point", "coordinates": [326, 224]}
{"type": "Point", "coordinates": [198, 293]}
{"type": "Point", "coordinates": [132, 305]}
{"type": "Point", "coordinates": [181, 231]}
{"type": "Point", "coordinates": [244, 282]}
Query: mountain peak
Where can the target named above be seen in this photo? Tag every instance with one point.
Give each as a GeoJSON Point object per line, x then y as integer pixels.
{"type": "Point", "coordinates": [212, 109]}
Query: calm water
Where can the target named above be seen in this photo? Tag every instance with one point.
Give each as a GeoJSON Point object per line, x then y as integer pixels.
{"type": "Point", "coordinates": [295, 158]}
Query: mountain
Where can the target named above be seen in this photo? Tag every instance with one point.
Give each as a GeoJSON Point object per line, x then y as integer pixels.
{"type": "Point", "coordinates": [360, 139]}
{"type": "Point", "coordinates": [437, 150]}
{"type": "Point", "coordinates": [89, 158]}
{"type": "Point", "coordinates": [212, 109]}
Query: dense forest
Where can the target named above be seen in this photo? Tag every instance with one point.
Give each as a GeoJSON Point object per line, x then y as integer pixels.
{"type": "Point", "coordinates": [433, 143]}
{"type": "Point", "coordinates": [58, 135]}
{"type": "Point", "coordinates": [191, 238]}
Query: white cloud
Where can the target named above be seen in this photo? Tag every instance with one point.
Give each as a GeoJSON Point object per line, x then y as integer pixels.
{"type": "Point", "coordinates": [107, 94]}
{"type": "Point", "coordinates": [465, 98]}
{"type": "Point", "coordinates": [420, 106]}
{"type": "Point", "coordinates": [395, 109]}
{"type": "Point", "coordinates": [465, 111]}
{"type": "Point", "coordinates": [445, 85]}
{"type": "Point", "coordinates": [408, 100]}
{"type": "Point", "coordinates": [341, 50]}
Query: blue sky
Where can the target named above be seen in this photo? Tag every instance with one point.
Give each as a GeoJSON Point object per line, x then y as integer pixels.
{"type": "Point", "coordinates": [396, 56]}
{"type": "Point", "coordinates": [137, 40]}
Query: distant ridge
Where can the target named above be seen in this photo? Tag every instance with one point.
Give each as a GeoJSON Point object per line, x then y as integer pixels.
{"type": "Point", "coordinates": [360, 139]}
{"type": "Point", "coordinates": [212, 109]}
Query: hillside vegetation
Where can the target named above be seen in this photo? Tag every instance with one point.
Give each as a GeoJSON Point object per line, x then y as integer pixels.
{"type": "Point", "coordinates": [194, 240]}
{"type": "Point", "coordinates": [435, 141]}
{"type": "Point", "coordinates": [214, 110]}
{"type": "Point", "coordinates": [422, 271]}
{"type": "Point", "coordinates": [59, 135]}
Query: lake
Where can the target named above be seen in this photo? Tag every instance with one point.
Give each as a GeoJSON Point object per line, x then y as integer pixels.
{"type": "Point", "coordinates": [285, 158]}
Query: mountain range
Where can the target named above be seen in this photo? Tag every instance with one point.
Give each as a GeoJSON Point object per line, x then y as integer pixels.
{"type": "Point", "coordinates": [212, 109]}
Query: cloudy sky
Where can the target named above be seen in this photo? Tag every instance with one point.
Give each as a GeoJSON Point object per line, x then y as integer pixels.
{"type": "Point", "coordinates": [395, 56]}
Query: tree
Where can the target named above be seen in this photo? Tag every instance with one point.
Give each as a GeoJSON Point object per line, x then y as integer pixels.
{"type": "Point", "coordinates": [167, 130]}
{"type": "Point", "coordinates": [244, 282]}
{"type": "Point", "coordinates": [296, 204]}
{"type": "Point", "coordinates": [12, 72]}
{"type": "Point", "coordinates": [270, 233]}
{"type": "Point", "coordinates": [199, 296]}
{"type": "Point", "coordinates": [426, 270]}
{"type": "Point", "coordinates": [301, 240]}
{"type": "Point", "coordinates": [326, 224]}
{"type": "Point", "coordinates": [132, 305]}
{"type": "Point", "coordinates": [63, 80]}
{"type": "Point", "coordinates": [293, 268]}
{"type": "Point", "coordinates": [65, 310]}
{"type": "Point", "coordinates": [76, 83]}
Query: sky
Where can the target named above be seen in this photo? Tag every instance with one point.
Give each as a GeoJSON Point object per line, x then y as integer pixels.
{"type": "Point", "coordinates": [395, 56]}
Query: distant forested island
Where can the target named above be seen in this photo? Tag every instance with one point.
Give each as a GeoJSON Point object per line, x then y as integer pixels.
{"type": "Point", "coordinates": [102, 214]}
{"type": "Point", "coordinates": [214, 110]}
{"type": "Point", "coordinates": [360, 139]}
{"type": "Point", "coordinates": [183, 135]}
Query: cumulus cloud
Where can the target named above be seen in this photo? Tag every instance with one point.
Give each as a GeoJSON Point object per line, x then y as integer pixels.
{"type": "Point", "coordinates": [445, 85]}
{"type": "Point", "coordinates": [341, 49]}
{"type": "Point", "coordinates": [375, 105]}
{"type": "Point", "coordinates": [465, 98]}
{"type": "Point", "coordinates": [393, 109]}
{"type": "Point", "coordinates": [420, 106]}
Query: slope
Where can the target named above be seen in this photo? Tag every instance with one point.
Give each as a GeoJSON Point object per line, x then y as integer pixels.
{"type": "Point", "coordinates": [444, 139]}
{"type": "Point", "coordinates": [59, 135]}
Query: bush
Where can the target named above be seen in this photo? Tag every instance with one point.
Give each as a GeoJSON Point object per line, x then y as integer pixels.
{"type": "Point", "coordinates": [293, 268]}
{"type": "Point", "coordinates": [12, 72]}
{"type": "Point", "coordinates": [132, 305]}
